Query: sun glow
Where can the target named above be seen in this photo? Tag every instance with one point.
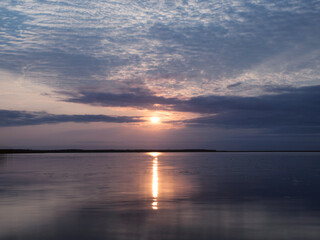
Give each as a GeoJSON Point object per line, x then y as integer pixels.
{"type": "Point", "coordinates": [155, 120]}
{"type": "Point", "coordinates": [154, 154]}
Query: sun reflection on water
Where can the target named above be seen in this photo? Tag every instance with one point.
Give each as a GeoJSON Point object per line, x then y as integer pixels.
{"type": "Point", "coordinates": [155, 180]}
{"type": "Point", "coordinates": [154, 154]}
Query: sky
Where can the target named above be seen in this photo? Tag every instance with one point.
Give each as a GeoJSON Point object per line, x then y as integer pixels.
{"type": "Point", "coordinates": [226, 75]}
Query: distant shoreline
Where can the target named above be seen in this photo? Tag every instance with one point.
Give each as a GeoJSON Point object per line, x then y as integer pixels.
{"type": "Point", "coordinates": [18, 151]}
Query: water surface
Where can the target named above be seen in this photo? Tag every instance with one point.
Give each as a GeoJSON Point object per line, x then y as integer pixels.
{"type": "Point", "coordinates": [166, 196]}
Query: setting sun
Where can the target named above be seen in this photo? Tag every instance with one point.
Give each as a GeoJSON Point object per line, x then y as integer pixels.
{"type": "Point", "coordinates": [155, 119]}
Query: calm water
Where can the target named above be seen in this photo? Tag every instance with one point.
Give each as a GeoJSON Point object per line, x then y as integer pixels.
{"type": "Point", "coordinates": [170, 196]}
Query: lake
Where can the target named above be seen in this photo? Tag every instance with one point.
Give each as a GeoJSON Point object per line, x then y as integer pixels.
{"type": "Point", "coordinates": [160, 196]}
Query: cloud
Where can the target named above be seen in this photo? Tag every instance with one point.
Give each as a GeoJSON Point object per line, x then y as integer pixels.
{"type": "Point", "coordinates": [60, 67]}
{"type": "Point", "coordinates": [294, 110]}
{"type": "Point", "coordinates": [249, 35]}
{"type": "Point", "coordinates": [234, 85]}
{"type": "Point", "coordinates": [197, 46]}
{"type": "Point", "coordinates": [139, 99]}
{"type": "Point", "coordinates": [286, 107]}
{"type": "Point", "coordinates": [10, 118]}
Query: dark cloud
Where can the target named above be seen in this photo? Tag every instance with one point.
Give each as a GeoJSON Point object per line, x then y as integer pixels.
{"type": "Point", "coordinates": [137, 99]}
{"type": "Point", "coordinates": [290, 107]}
{"type": "Point", "coordinates": [234, 85]}
{"type": "Point", "coordinates": [296, 109]}
{"type": "Point", "coordinates": [10, 118]}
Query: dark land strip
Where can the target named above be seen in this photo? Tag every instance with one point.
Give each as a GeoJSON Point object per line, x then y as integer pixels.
{"type": "Point", "coordinates": [17, 151]}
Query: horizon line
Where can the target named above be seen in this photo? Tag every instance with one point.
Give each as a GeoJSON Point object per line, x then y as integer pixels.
{"type": "Point", "coordinates": [13, 151]}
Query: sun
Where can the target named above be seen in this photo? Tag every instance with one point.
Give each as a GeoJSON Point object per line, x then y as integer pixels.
{"type": "Point", "coordinates": [155, 120]}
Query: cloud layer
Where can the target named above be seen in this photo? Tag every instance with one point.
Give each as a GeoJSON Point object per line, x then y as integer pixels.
{"type": "Point", "coordinates": [10, 118]}
{"type": "Point", "coordinates": [189, 47]}
{"type": "Point", "coordinates": [285, 107]}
